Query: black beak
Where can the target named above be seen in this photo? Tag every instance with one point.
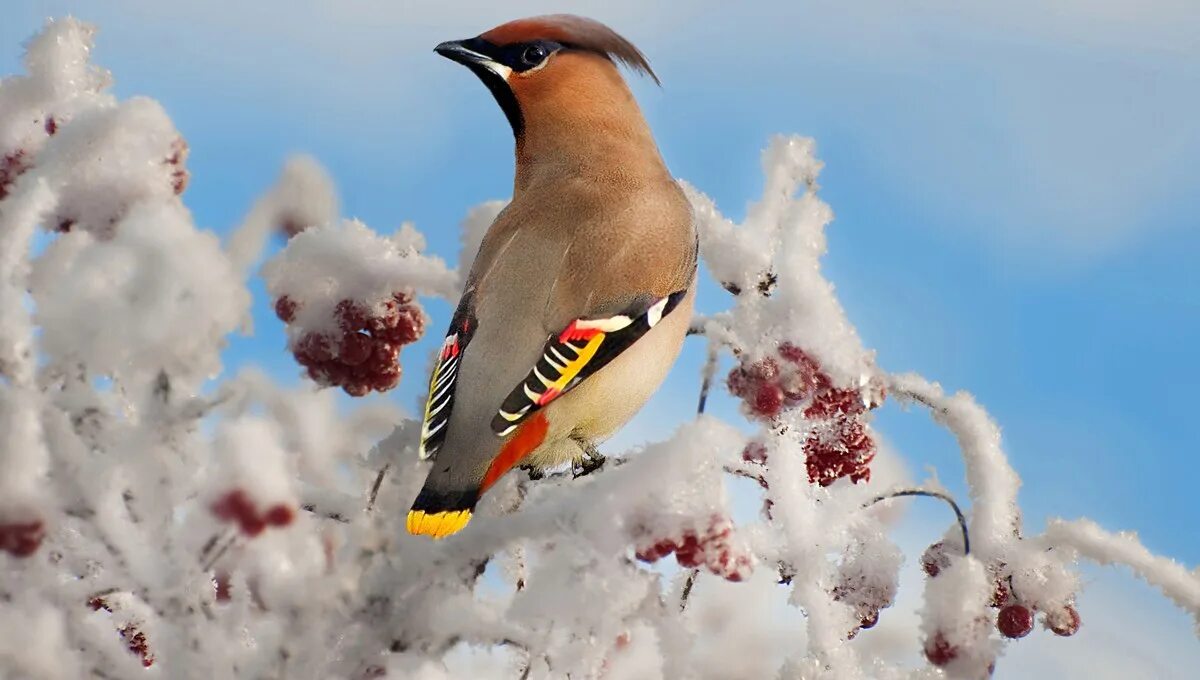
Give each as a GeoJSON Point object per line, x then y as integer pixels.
{"type": "Point", "coordinates": [465, 52]}
{"type": "Point", "coordinates": [476, 54]}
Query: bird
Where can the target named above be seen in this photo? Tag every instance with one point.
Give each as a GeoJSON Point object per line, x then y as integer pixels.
{"type": "Point", "coordinates": [579, 298]}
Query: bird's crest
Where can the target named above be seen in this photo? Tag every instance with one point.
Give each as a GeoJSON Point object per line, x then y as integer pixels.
{"type": "Point", "coordinates": [574, 32]}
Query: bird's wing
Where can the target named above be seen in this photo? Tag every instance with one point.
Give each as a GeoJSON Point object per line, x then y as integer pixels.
{"type": "Point", "coordinates": [440, 402]}
{"type": "Point", "coordinates": [585, 346]}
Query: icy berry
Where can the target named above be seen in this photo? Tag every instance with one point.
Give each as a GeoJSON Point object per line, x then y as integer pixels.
{"type": "Point", "coordinates": [768, 401]}
{"type": "Point", "coordinates": [1014, 621]}
{"type": "Point", "coordinates": [755, 452]}
{"type": "Point", "coordinates": [314, 348]}
{"type": "Point", "coordinates": [355, 348]}
{"type": "Point", "coordinates": [285, 309]}
{"type": "Point", "coordinates": [222, 588]}
{"type": "Point", "coordinates": [935, 558]}
{"type": "Point", "coordinates": [351, 315]}
{"type": "Point", "coordinates": [136, 641]}
{"type": "Point", "coordinates": [21, 539]}
{"type": "Point", "coordinates": [939, 651]}
{"type": "Point", "coordinates": [1064, 622]}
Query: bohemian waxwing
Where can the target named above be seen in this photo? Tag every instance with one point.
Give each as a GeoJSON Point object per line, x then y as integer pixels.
{"type": "Point", "coordinates": [581, 292]}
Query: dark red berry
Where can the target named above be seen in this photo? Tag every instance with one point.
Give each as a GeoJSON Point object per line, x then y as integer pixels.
{"type": "Point", "coordinates": [355, 349]}
{"type": "Point", "coordinates": [21, 539]}
{"type": "Point", "coordinates": [768, 401]}
{"type": "Point", "coordinates": [280, 515]}
{"type": "Point", "coordinates": [939, 651]}
{"type": "Point", "coordinates": [222, 586]}
{"type": "Point", "coordinates": [1014, 621]}
{"type": "Point", "coordinates": [285, 309]}
{"type": "Point", "coordinates": [351, 316]}
{"type": "Point", "coordinates": [935, 559]}
{"type": "Point", "coordinates": [1064, 622]}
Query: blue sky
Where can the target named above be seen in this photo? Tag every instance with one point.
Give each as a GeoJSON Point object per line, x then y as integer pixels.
{"type": "Point", "coordinates": [1014, 189]}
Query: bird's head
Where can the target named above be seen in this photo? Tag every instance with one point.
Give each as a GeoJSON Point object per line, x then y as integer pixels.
{"type": "Point", "coordinates": [550, 64]}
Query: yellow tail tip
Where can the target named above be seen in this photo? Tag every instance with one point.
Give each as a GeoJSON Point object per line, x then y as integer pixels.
{"type": "Point", "coordinates": [437, 524]}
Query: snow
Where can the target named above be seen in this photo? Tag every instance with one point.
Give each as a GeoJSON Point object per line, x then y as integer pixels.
{"type": "Point", "coordinates": [217, 525]}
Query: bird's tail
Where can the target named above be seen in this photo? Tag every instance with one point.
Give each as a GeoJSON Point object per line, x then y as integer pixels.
{"type": "Point", "coordinates": [440, 513]}
{"type": "Point", "coordinates": [447, 500]}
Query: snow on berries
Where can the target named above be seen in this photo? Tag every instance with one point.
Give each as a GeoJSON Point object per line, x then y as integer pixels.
{"type": "Point", "coordinates": [362, 356]}
{"type": "Point", "coordinates": [1063, 621]}
{"type": "Point", "coordinates": [348, 297]}
{"type": "Point", "coordinates": [129, 631]}
{"type": "Point", "coordinates": [838, 443]}
{"type": "Point", "coordinates": [237, 507]}
{"type": "Point", "coordinates": [253, 491]}
{"type": "Point", "coordinates": [709, 546]}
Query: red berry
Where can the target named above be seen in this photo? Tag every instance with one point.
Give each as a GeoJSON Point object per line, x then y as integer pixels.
{"type": "Point", "coordinates": [410, 325]}
{"type": "Point", "coordinates": [939, 651]}
{"type": "Point", "coordinates": [222, 586]}
{"type": "Point", "coordinates": [1064, 622]}
{"type": "Point", "coordinates": [285, 309]}
{"type": "Point", "coordinates": [280, 515]}
{"type": "Point", "coordinates": [768, 401]}
{"type": "Point", "coordinates": [1014, 621]}
{"type": "Point", "coordinates": [869, 620]}
{"type": "Point", "coordinates": [21, 539]}
{"type": "Point", "coordinates": [315, 347]}
{"type": "Point", "coordinates": [688, 553]}
{"type": "Point", "coordinates": [51, 125]}
{"type": "Point", "coordinates": [386, 380]}
{"type": "Point", "coordinates": [356, 389]}
{"type": "Point", "coordinates": [252, 525]}
{"type": "Point", "coordinates": [755, 452]}
{"type": "Point", "coordinates": [935, 559]}
{"type": "Point", "coordinates": [351, 316]}
{"type": "Point", "coordinates": [355, 349]}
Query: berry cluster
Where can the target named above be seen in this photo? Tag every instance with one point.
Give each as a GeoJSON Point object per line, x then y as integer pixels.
{"type": "Point", "coordinates": [362, 355]}
{"type": "Point", "coordinates": [236, 506]}
{"type": "Point", "coordinates": [1015, 617]}
{"type": "Point", "coordinates": [711, 549]}
{"type": "Point", "coordinates": [11, 166]}
{"type": "Point", "coordinates": [135, 640]}
{"type": "Point", "coordinates": [179, 174]}
{"type": "Point", "coordinates": [74, 213]}
{"type": "Point", "coordinates": [839, 444]}
{"type": "Point", "coordinates": [21, 539]}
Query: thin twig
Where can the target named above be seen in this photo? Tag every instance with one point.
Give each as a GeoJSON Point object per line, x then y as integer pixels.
{"type": "Point", "coordinates": [333, 515]}
{"type": "Point", "coordinates": [958, 513]}
{"type": "Point", "coordinates": [687, 589]}
{"type": "Point", "coordinates": [219, 552]}
{"type": "Point", "coordinates": [710, 368]}
{"type": "Point", "coordinates": [375, 487]}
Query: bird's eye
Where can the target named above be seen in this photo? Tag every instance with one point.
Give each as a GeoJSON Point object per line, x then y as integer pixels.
{"type": "Point", "coordinates": [533, 55]}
